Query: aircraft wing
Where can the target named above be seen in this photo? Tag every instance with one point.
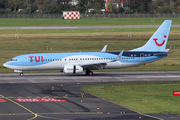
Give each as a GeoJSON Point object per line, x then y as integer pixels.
{"type": "Point", "coordinates": [98, 65]}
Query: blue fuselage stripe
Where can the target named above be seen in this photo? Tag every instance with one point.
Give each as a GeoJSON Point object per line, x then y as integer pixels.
{"type": "Point", "coordinates": [44, 58]}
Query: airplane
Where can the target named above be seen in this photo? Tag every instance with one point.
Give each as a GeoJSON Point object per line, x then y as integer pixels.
{"type": "Point", "coordinates": [77, 62]}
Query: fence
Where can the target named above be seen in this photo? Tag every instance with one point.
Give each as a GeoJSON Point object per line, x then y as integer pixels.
{"type": "Point", "coordinates": [30, 15]}
{"type": "Point", "coordinates": [131, 16]}
{"type": "Point", "coordinates": [92, 16]}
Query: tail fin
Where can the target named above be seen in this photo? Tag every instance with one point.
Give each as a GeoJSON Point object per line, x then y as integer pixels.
{"type": "Point", "coordinates": [158, 42]}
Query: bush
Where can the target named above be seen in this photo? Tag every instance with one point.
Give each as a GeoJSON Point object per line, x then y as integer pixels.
{"type": "Point", "coordinates": [2, 11]}
{"type": "Point", "coordinates": [153, 8]}
{"type": "Point", "coordinates": [30, 9]}
{"type": "Point", "coordinates": [121, 10]}
{"type": "Point", "coordinates": [8, 11]}
{"type": "Point", "coordinates": [165, 9]}
{"type": "Point", "coordinates": [128, 11]}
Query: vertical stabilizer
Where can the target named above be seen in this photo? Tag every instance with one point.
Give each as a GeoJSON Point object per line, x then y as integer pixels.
{"type": "Point", "coordinates": [158, 42]}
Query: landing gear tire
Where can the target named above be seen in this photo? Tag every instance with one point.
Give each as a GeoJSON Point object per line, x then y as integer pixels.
{"type": "Point", "coordinates": [21, 74]}
{"type": "Point", "coordinates": [89, 72]}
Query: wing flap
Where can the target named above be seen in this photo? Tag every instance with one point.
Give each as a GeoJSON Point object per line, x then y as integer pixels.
{"type": "Point", "coordinates": [94, 64]}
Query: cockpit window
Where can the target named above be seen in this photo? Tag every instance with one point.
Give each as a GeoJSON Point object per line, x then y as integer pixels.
{"type": "Point", "coordinates": [14, 59]}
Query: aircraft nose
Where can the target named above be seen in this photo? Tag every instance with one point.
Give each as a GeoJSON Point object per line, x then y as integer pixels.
{"type": "Point", "coordinates": [5, 65]}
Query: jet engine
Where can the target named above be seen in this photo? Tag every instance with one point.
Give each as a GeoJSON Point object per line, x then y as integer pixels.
{"type": "Point", "coordinates": [72, 69]}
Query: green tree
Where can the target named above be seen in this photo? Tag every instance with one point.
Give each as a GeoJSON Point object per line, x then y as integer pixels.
{"type": "Point", "coordinates": [177, 6]}
{"type": "Point", "coordinates": [97, 5]}
{"type": "Point", "coordinates": [31, 8]}
{"type": "Point", "coordinates": [153, 8]}
{"type": "Point", "coordinates": [128, 11]}
{"type": "Point", "coordinates": [167, 2]}
{"type": "Point", "coordinates": [41, 4]}
{"type": "Point", "coordinates": [121, 10]}
{"type": "Point", "coordinates": [83, 5]}
{"type": "Point", "coordinates": [112, 6]}
{"type": "Point", "coordinates": [139, 5]}
{"type": "Point", "coordinates": [101, 2]}
{"type": "Point", "coordinates": [53, 8]}
{"type": "Point", "coordinates": [159, 2]}
{"type": "Point", "coordinates": [13, 4]}
{"type": "Point", "coordinates": [165, 9]}
{"type": "Point", "coordinates": [3, 4]}
{"type": "Point", "coordinates": [63, 5]}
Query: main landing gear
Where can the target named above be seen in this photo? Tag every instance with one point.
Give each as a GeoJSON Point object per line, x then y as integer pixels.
{"type": "Point", "coordinates": [89, 72]}
{"type": "Point", "coordinates": [21, 74]}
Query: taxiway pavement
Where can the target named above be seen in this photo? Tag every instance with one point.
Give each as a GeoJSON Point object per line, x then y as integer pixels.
{"type": "Point", "coordinates": [33, 88]}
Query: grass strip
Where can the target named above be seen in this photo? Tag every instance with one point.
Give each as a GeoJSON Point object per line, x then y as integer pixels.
{"type": "Point", "coordinates": [12, 22]}
{"type": "Point", "coordinates": [144, 97]}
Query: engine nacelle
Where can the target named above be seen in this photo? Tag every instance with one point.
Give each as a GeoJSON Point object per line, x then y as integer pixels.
{"type": "Point", "coordinates": [72, 69]}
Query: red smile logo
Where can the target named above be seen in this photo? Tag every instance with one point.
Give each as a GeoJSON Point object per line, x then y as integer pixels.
{"type": "Point", "coordinates": [155, 39]}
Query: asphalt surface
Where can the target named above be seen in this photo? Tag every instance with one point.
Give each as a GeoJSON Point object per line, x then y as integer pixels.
{"type": "Point", "coordinates": [84, 27]}
{"type": "Point", "coordinates": [78, 105]}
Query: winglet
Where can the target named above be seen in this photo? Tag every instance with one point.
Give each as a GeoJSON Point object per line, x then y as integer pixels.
{"type": "Point", "coordinates": [104, 49]}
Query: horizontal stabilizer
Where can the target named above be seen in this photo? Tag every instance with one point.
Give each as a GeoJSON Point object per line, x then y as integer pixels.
{"type": "Point", "coordinates": [164, 53]}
